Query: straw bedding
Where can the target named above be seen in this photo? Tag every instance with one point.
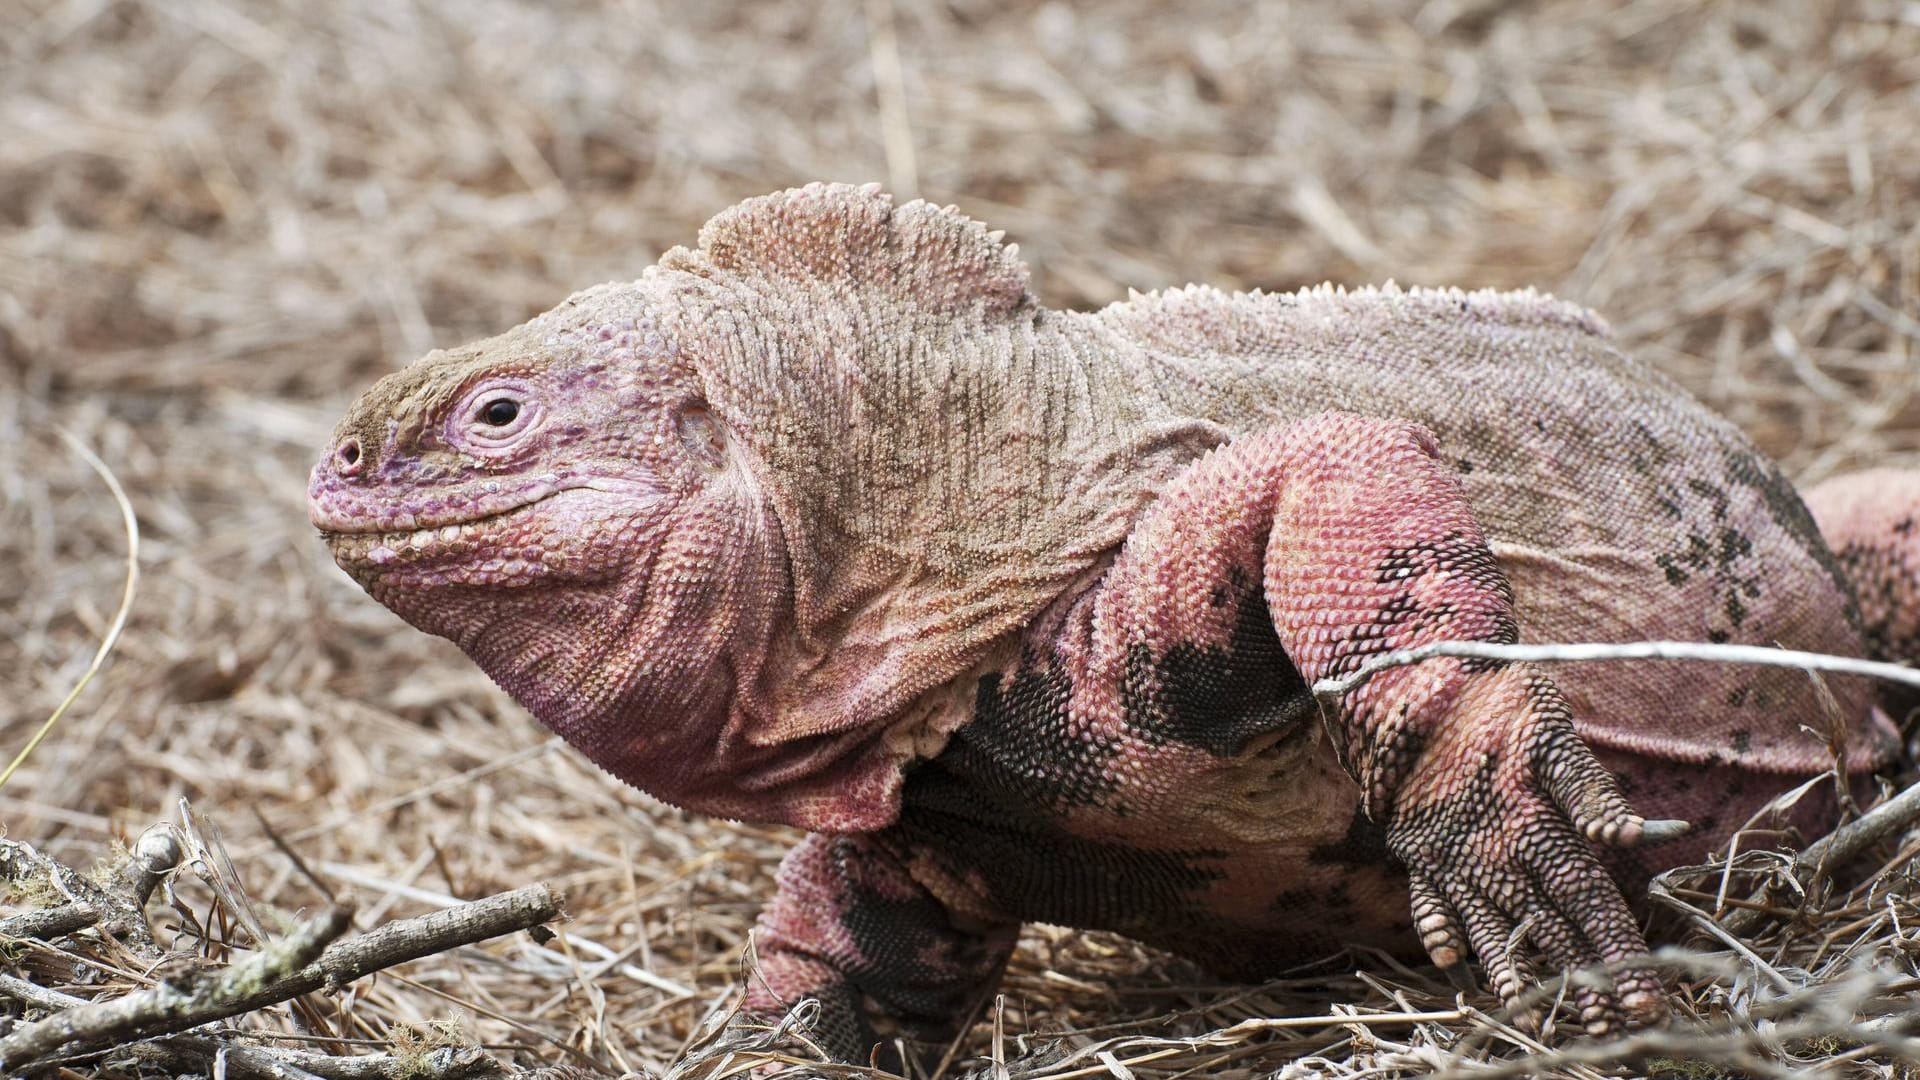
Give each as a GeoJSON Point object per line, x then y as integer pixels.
{"type": "Point", "coordinates": [220, 219]}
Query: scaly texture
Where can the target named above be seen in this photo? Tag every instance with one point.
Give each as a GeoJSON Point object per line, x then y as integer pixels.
{"type": "Point", "coordinates": [828, 522]}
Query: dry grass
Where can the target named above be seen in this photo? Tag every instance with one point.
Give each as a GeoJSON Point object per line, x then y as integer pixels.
{"type": "Point", "coordinates": [219, 219]}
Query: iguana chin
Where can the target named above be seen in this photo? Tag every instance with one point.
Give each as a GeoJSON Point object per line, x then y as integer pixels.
{"type": "Point", "coordinates": [828, 521]}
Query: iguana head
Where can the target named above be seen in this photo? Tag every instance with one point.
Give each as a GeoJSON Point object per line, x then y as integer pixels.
{"type": "Point", "coordinates": [562, 502]}
{"type": "Point", "coordinates": [725, 526]}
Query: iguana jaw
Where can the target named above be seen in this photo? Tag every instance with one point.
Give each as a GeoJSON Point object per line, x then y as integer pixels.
{"type": "Point", "coordinates": [492, 540]}
{"type": "Point", "coordinates": [373, 551]}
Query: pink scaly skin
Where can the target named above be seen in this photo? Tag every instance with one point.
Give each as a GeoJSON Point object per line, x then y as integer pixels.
{"type": "Point", "coordinates": [828, 522]}
{"type": "Point", "coordinates": [1873, 518]}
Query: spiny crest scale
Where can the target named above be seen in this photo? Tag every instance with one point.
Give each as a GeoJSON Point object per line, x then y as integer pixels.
{"type": "Point", "coordinates": [838, 235]}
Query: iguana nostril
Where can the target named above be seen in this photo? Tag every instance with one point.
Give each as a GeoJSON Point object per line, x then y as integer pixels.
{"type": "Point", "coordinates": [346, 457]}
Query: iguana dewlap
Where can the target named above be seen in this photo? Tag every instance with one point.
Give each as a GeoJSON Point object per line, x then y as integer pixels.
{"type": "Point", "coordinates": [828, 521]}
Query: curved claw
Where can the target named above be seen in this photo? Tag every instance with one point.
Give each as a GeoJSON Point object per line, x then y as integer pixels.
{"type": "Point", "coordinates": [1663, 829]}
{"type": "Point", "coordinates": [1460, 977]}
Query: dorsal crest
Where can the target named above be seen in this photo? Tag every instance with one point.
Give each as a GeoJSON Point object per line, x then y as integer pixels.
{"type": "Point", "coordinates": [840, 236]}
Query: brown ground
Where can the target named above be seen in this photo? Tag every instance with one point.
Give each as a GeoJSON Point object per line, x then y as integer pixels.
{"type": "Point", "coordinates": [220, 219]}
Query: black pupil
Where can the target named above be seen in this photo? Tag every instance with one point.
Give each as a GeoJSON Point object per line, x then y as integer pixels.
{"type": "Point", "coordinates": [500, 412]}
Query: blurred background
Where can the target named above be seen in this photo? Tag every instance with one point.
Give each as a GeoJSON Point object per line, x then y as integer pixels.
{"type": "Point", "coordinates": [221, 219]}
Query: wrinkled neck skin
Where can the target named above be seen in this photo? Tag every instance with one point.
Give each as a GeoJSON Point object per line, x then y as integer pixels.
{"type": "Point", "coordinates": [657, 669]}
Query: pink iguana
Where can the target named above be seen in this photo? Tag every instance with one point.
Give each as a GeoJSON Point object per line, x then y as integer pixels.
{"type": "Point", "coordinates": [827, 521]}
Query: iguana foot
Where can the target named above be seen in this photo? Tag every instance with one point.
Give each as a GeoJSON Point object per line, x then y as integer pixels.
{"type": "Point", "coordinates": [1494, 822]}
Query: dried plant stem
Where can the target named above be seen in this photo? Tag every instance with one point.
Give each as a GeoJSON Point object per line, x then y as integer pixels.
{"type": "Point", "coordinates": [193, 1053]}
{"type": "Point", "coordinates": [170, 1007]}
{"type": "Point", "coordinates": [119, 623]}
{"type": "Point", "coordinates": [1631, 650]}
{"type": "Point", "coordinates": [36, 995]}
{"type": "Point", "coordinates": [286, 969]}
{"type": "Point", "coordinates": [1890, 817]}
{"type": "Point", "coordinates": [51, 922]}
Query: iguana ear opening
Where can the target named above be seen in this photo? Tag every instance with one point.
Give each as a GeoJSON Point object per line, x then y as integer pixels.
{"type": "Point", "coordinates": [836, 236]}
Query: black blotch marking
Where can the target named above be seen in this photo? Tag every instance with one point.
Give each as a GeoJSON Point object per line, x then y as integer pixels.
{"type": "Point", "coordinates": [1715, 495]}
{"type": "Point", "coordinates": [1465, 466]}
{"type": "Point", "coordinates": [1364, 845]}
{"type": "Point", "coordinates": [1790, 514]}
{"type": "Point", "coordinates": [1718, 637]}
{"type": "Point", "coordinates": [1034, 871]}
{"type": "Point", "coordinates": [1903, 526]}
{"type": "Point", "coordinates": [1742, 741]}
{"type": "Point", "coordinates": [1736, 611]}
{"type": "Point", "coordinates": [892, 936]}
{"type": "Point", "coordinates": [1734, 545]}
{"type": "Point", "coordinates": [1675, 575]}
{"type": "Point", "coordinates": [1294, 902]}
{"type": "Point", "coordinates": [1217, 698]}
{"type": "Point", "coordinates": [1452, 554]}
{"type": "Point", "coordinates": [1650, 456]}
{"type": "Point", "coordinates": [1737, 696]}
{"type": "Point", "coordinates": [1018, 740]}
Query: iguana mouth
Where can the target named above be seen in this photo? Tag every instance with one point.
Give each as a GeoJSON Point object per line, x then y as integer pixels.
{"type": "Point", "coordinates": [485, 533]}
{"type": "Point", "coordinates": [337, 513]}
{"type": "Point", "coordinates": [382, 548]}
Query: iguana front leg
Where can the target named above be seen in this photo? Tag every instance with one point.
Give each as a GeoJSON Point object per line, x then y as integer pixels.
{"type": "Point", "coordinates": [1367, 545]}
{"type": "Point", "coordinates": [848, 924]}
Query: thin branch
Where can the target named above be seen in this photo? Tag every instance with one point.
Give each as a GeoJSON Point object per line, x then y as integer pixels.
{"type": "Point", "coordinates": [268, 977]}
{"type": "Point", "coordinates": [195, 1054]}
{"type": "Point", "coordinates": [1630, 650]}
{"type": "Point", "coordinates": [890, 87]}
{"type": "Point", "coordinates": [50, 922]}
{"type": "Point", "coordinates": [1838, 846]}
{"type": "Point", "coordinates": [37, 996]}
{"type": "Point", "coordinates": [169, 1007]}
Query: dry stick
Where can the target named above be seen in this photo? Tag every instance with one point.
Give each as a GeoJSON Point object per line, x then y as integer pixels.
{"type": "Point", "coordinates": [52, 922]}
{"type": "Point", "coordinates": [890, 86]}
{"type": "Point", "coordinates": [164, 1009]}
{"type": "Point", "coordinates": [167, 1007]}
{"type": "Point", "coordinates": [184, 1053]}
{"type": "Point", "coordinates": [38, 996]}
{"type": "Point", "coordinates": [1630, 650]}
{"type": "Point", "coordinates": [111, 910]}
{"type": "Point", "coordinates": [193, 1054]}
{"type": "Point", "coordinates": [1841, 845]}
{"type": "Point", "coordinates": [155, 855]}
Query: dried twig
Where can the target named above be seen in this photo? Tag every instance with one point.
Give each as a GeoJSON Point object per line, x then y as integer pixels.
{"type": "Point", "coordinates": [51, 922]}
{"type": "Point", "coordinates": [283, 970]}
{"type": "Point", "coordinates": [169, 1007]}
{"type": "Point", "coordinates": [1634, 650]}
{"type": "Point", "coordinates": [197, 1054]}
{"type": "Point", "coordinates": [1883, 821]}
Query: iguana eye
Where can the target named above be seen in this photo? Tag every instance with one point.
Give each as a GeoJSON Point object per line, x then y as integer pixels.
{"type": "Point", "coordinates": [495, 416]}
